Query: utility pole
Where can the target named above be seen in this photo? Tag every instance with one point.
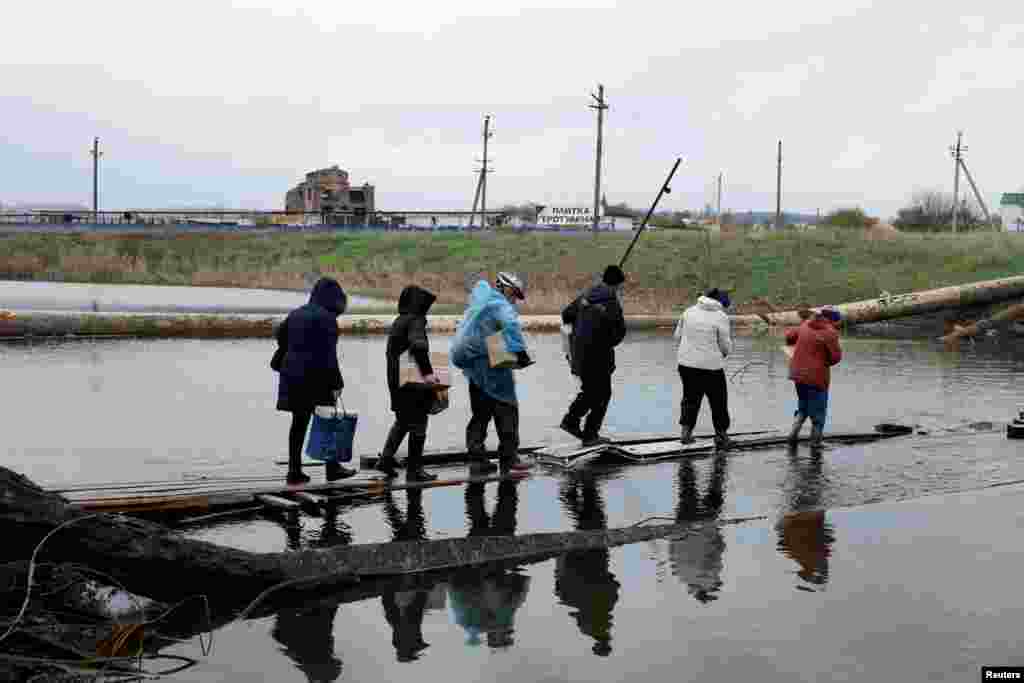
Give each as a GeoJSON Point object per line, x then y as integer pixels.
{"type": "Point", "coordinates": [476, 200]}
{"type": "Point", "coordinates": [481, 181]}
{"type": "Point", "coordinates": [778, 192]}
{"type": "Point", "coordinates": [483, 174]}
{"type": "Point", "coordinates": [96, 154]}
{"type": "Point", "coordinates": [600, 107]}
{"type": "Point", "coordinates": [956, 150]}
{"type": "Point", "coordinates": [719, 203]}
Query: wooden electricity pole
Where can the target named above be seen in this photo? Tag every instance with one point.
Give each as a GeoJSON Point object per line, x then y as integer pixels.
{"type": "Point", "coordinates": [600, 107]}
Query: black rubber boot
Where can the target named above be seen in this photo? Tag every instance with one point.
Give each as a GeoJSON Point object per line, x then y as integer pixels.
{"type": "Point", "coordinates": [817, 436]}
{"type": "Point", "coordinates": [479, 463]}
{"type": "Point", "coordinates": [513, 465]}
{"type": "Point", "coordinates": [388, 465]}
{"type": "Point", "coordinates": [295, 476]}
{"type": "Point", "coordinates": [419, 474]}
{"type": "Point", "coordinates": [336, 471]}
{"type": "Point", "coordinates": [798, 423]}
{"type": "Point", "coordinates": [722, 441]}
{"type": "Point", "coordinates": [595, 440]}
{"type": "Point", "coordinates": [414, 464]}
{"type": "Point", "coordinates": [686, 435]}
{"type": "Point", "coordinates": [386, 462]}
{"type": "Point", "coordinates": [572, 427]}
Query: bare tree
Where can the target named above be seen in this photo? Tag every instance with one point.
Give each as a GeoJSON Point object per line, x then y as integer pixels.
{"type": "Point", "coordinates": [932, 211]}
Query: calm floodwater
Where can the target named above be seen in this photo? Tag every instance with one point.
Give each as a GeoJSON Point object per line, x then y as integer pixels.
{"type": "Point", "coordinates": [72, 296]}
{"type": "Point", "coordinates": [888, 561]}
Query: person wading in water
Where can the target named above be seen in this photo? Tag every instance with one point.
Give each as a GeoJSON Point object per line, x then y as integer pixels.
{"type": "Point", "coordinates": [815, 350]}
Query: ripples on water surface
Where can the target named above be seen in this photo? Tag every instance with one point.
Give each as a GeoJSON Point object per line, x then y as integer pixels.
{"type": "Point", "coordinates": [865, 592]}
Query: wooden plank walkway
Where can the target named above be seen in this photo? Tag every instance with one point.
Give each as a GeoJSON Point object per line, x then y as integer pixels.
{"type": "Point", "coordinates": [207, 495]}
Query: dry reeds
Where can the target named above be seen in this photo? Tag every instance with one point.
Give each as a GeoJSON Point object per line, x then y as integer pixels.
{"type": "Point", "coordinates": [667, 270]}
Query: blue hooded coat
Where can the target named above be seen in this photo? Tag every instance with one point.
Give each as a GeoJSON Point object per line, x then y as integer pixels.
{"type": "Point", "coordinates": [308, 350]}
{"type": "Point", "coordinates": [488, 312]}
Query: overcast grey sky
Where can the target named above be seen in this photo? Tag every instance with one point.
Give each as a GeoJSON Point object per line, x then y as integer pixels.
{"type": "Point", "coordinates": [231, 101]}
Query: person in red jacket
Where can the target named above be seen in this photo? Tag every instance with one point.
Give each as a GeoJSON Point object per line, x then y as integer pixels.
{"type": "Point", "coordinates": [815, 350]}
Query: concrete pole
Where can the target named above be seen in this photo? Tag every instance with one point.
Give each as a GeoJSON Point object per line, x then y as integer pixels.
{"type": "Point", "coordinates": [600, 107]}
{"type": "Point", "coordinates": [483, 175]}
{"type": "Point", "coordinates": [956, 179]}
{"type": "Point", "coordinates": [719, 204]}
{"type": "Point", "coordinates": [778, 191]}
{"type": "Point", "coordinates": [96, 154]}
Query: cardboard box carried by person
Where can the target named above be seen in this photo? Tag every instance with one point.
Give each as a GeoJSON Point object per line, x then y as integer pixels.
{"type": "Point", "coordinates": [498, 353]}
{"type": "Point", "coordinates": [409, 370]}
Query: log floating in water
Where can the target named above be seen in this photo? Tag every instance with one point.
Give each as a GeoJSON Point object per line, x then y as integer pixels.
{"type": "Point", "coordinates": [888, 307]}
{"type": "Point", "coordinates": [142, 554]}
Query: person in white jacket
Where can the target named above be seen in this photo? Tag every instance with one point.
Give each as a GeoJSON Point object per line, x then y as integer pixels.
{"type": "Point", "coordinates": [705, 341]}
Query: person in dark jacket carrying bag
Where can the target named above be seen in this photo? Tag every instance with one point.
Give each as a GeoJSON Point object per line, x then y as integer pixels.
{"type": "Point", "coordinates": [598, 326]}
{"type": "Point", "coordinates": [307, 361]}
{"type": "Point", "coordinates": [410, 403]}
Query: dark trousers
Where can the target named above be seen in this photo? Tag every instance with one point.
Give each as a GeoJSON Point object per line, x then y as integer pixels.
{"type": "Point", "coordinates": [296, 437]}
{"type": "Point", "coordinates": [413, 424]}
{"type": "Point", "coordinates": [592, 401]}
{"type": "Point", "coordinates": [698, 383]}
{"type": "Point", "coordinates": [506, 420]}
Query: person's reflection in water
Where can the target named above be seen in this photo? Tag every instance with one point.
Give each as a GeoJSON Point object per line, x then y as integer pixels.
{"type": "Point", "coordinates": [697, 557]}
{"type": "Point", "coordinates": [332, 532]}
{"type": "Point", "coordinates": [404, 610]}
{"type": "Point", "coordinates": [306, 634]}
{"type": "Point", "coordinates": [583, 580]}
{"type": "Point", "coordinates": [805, 535]}
{"type": "Point", "coordinates": [485, 600]}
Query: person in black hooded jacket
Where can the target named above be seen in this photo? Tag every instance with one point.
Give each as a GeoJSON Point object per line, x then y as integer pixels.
{"type": "Point", "coordinates": [598, 326]}
{"type": "Point", "coordinates": [307, 361]}
{"type": "Point", "coordinates": [410, 403]}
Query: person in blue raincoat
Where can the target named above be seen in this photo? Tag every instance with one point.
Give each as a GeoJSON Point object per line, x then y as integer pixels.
{"type": "Point", "coordinates": [492, 391]}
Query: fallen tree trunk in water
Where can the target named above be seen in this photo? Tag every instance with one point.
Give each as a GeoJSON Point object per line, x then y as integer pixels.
{"type": "Point", "coordinates": [143, 555]}
{"type": "Point", "coordinates": [889, 306]}
{"type": "Point", "coordinates": [1013, 313]}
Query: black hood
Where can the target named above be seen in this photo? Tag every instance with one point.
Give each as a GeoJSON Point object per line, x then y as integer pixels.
{"type": "Point", "coordinates": [415, 300]}
{"type": "Point", "coordinates": [327, 293]}
{"type": "Point", "coordinates": [600, 294]}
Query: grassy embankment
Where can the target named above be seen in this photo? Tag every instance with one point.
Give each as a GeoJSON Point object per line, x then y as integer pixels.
{"type": "Point", "coordinates": [666, 270]}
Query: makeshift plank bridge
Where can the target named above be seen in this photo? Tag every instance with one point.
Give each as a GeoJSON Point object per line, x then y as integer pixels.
{"type": "Point", "coordinates": [208, 497]}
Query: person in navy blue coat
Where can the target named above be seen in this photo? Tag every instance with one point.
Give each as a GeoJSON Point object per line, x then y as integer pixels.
{"type": "Point", "coordinates": [310, 376]}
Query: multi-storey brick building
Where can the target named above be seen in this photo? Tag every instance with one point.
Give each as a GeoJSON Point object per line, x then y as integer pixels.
{"type": "Point", "coordinates": [327, 190]}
